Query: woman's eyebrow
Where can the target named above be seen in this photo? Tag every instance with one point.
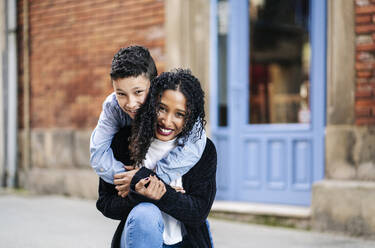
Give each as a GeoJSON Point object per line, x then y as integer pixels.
{"type": "Point", "coordinates": [180, 110]}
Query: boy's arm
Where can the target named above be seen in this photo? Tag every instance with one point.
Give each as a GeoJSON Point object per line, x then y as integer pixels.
{"type": "Point", "coordinates": [111, 119]}
{"type": "Point", "coordinates": [182, 158]}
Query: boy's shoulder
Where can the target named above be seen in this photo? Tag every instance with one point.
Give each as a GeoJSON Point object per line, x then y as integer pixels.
{"type": "Point", "coordinates": [111, 99]}
{"type": "Point", "coordinates": [111, 103]}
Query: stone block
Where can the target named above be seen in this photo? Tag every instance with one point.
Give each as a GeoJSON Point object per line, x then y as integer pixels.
{"type": "Point", "coordinates": [366, 171]}
{"type": "Point", "coordinates": [70, 182]}
{"type": "Point", "coordinates": [344, 206]}
{"type": "Point", "coordinates": [45, 181]}
{"type": "Point", "coordinates": [58, 147]}
{"type": "Point", "coordinates": [364, 151]}
{"type": "Point", "coordinates": [38, 152]}
{"type": "Point", "coordinates": [81, 183]}
{"type": "Point", "coordinates": [340, 142]}
{"type": "Point", "coordinates": [82, 149]}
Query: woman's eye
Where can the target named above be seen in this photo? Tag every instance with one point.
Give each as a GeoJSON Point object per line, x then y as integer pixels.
{"type": "Point", "coordinates": [138, 92]}
{"type": "Point", "coordinates": [180, 115]}
{"type": "Point", "coordinates": [120, 94]}
{"type": "Point", "coordinates": [162, 109]}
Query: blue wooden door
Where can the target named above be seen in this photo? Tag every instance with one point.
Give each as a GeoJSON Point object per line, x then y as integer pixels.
{"type": "Point", "coordinates": [265, 153]}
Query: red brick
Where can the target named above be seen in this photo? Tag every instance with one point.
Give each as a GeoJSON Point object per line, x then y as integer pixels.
{"type": "Point", "coordinates": [362, 112]}
{"type": "Point", "coordinates": [364, 74]}
{"type": "Point", "coordinates": [365, 121]}
{"type": "Point", "coordinates": [369, 9]}
{"type": "Point", "coordinates": [364, 66]}
{"type": "Point", "coordinates": [362, 19]}
{"type": "Point", "coordinates": [365, 47]}
{"type": "Point", "coordinates": [365, 56]}
{"type": "Point", "coordinates": [362, 81]}
{"type": "Point", "coordinates": [365, 102]}
{"type": "Point", "coordinates": [364, 91]}
{"type": "Point", "coordinates": [371, 80]}
{"type": "Point", "coordinates": [362, 29]}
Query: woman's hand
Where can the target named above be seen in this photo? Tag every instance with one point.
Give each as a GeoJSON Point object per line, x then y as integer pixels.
{"type": "Point", "coordinates": [155, 190]}
{"type": "Point", "coordinates": [122, 180]}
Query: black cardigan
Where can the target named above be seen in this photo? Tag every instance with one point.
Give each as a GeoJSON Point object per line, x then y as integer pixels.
{"type": "Point", "coordinates": [191, 208]}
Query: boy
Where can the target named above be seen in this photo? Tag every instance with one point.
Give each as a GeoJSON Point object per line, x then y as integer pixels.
{"type": "Point", "coordinates": [132, 71]}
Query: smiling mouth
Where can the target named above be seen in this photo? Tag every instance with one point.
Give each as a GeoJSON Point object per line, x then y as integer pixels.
{"type": "Point", "coordinates": [131, 111]}
{"type": "Point", "coordinates": [164, 131]}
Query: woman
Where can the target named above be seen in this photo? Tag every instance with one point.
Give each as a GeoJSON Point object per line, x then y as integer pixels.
{"type": "Point", "coordinates": [155, 214]}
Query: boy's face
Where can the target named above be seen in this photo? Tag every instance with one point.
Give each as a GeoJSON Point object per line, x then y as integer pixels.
{"type": "Point", "coordinates": [131, 93]}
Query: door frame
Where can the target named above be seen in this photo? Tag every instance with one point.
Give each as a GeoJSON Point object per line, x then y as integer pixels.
{"type": "Point", "coordinates": [228, 138]}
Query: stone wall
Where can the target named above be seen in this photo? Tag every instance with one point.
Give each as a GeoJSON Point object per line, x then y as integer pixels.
{"type": "Point", "coordinates": [60, 163]}
{"type": "Point", "coordinates": [343, 201]}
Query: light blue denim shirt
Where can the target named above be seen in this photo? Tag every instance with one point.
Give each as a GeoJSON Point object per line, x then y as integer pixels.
{"type": "Point", "coordinates": [179, 161]}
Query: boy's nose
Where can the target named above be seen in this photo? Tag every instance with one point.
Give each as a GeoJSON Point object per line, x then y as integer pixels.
{"type": "Point", "coordinates": [131, 104]}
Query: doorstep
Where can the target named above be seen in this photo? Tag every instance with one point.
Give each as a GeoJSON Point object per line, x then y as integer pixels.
{"type": "Point", "coordinates": [268, 214]}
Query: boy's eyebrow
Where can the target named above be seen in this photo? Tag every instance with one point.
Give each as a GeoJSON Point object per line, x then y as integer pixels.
{"type": "Point", "coordinates": [137, 87]}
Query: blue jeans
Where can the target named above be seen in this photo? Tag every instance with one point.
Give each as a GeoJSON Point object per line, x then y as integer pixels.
{"type": "Point", "coordinates": [144, 228]}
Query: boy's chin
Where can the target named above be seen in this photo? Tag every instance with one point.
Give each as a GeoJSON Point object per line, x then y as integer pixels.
{"type": "Point", "coordinates": [131, 115]}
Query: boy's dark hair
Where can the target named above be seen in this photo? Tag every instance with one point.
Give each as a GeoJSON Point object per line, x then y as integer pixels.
{"type": "Point", "coordinates": [133, 61]}
{"type": "Point", "coordinates": [144, 124]}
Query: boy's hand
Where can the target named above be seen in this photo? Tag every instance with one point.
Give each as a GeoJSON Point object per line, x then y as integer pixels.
{"type": "Point", "coordinates": [155, 190]}
{"type": "Point", "coordinates": [179, 189]}
{"type": "Point", "coordinates": [122, 182]}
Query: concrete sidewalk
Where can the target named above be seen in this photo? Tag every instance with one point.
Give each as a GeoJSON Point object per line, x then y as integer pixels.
{"type": "Point", "coordinates": [55, 221]}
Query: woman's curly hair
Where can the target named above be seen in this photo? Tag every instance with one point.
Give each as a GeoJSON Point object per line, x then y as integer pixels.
{"type": "Point", "coordinates": [145, 122]}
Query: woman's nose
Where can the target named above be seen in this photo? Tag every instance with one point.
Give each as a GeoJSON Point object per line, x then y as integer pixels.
{"type": "Point", "coordinates": [167, 120]}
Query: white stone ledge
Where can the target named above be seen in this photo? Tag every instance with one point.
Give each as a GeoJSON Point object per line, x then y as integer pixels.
{"type": "Point", "coordinates": [261, 209]}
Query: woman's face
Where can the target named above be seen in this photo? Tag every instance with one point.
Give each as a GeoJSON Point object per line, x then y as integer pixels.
{"type": "Point", "coordinates": [171, 115]}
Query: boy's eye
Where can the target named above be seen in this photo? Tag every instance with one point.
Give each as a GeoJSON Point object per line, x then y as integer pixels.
{"type": "Point", "coordinates": [120, 94]}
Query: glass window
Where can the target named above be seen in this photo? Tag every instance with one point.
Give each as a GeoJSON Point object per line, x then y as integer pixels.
{"type": "Point", "coordinates": [222, 62]}
{"type": "Point", "coordinates": [279, 61]}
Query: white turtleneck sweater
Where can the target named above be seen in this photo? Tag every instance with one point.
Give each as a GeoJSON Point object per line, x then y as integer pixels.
{"type": "Point", "coordinates": [158, 150]}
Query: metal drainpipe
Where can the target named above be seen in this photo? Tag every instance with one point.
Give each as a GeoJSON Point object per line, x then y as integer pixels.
{"type": "Point", "coordinates": [26, 88]}
{"type": "Point", "coordinates": [12, 126]}
{"type": "Point", "coordinates": [2, 91]}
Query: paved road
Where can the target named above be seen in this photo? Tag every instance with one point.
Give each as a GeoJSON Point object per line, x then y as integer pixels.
{"type": "Point", "coordinates": [55, 221]}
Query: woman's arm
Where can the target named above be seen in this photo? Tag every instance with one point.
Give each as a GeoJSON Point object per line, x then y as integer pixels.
{"type": "Point", "coordinates": [193, 207]}
{"type": "Point", "coordinates": [110, 204]}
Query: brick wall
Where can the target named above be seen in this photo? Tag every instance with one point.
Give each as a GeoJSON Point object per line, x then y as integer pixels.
{"type": "Point", "coordinates": [365, 62]}
{"type": "Point", "coordinates": [71, 47]}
